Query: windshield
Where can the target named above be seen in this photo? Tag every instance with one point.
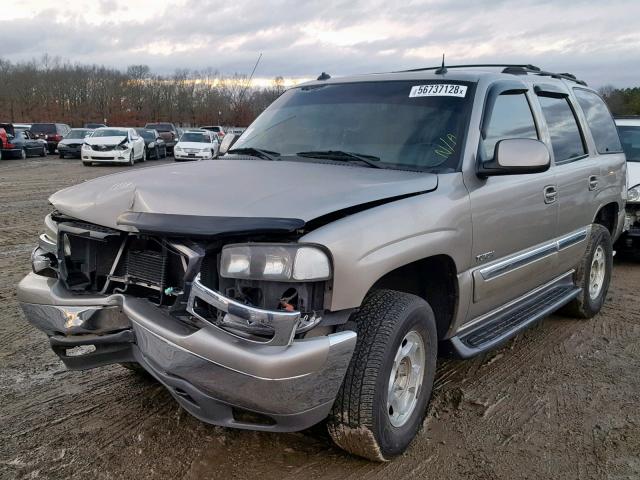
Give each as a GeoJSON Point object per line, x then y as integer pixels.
{"type": "Point", "coordinates": [630, 138]}
{"type": "Point", "coordinates": [161, 127]}
{"type": "Point", "coordinates": [195, 137]}
{"type": "Point", "coordinates": [406, 124]}
{"type": "Point", "coordinates": [109, 132]}
{"type": "Point", "coordinates": [78, 133]}
{"type": "Point", "coordinates": [43, 128]}
{"type": "Point", "coordinates": [147, 134]}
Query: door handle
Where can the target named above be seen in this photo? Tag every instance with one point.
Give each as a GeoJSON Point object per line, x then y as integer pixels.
{"type": "Point", "coordinates": [550, 194]}
{"type": "Point", "coordinates": [593, 182]}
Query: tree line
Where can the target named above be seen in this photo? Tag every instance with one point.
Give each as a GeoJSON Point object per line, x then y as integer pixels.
{"type": "Point", "coordinates": [51, 90]}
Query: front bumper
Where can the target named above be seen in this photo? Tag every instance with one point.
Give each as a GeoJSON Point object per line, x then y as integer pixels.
{"type": "Point", "coordinates": [218, 377]}
{"type": "Point", "coordinates": [192, 156]}
{"type": "Point", "coordinates": [119, 156]}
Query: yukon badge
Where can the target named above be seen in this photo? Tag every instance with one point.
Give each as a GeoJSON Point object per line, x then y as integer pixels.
{"type": "Point", "coordinates": [483, 257]}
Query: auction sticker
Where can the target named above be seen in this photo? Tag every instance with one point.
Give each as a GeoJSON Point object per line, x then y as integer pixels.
{"type": "Point", "coordinates": [438, 90]}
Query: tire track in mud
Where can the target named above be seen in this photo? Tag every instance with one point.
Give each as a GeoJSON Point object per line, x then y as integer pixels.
{"type": "Point", "coordinates": [558, 401]}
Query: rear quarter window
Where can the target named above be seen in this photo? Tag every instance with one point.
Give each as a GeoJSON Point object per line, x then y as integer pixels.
{"type": "Point", "coordinates": [601, 124]}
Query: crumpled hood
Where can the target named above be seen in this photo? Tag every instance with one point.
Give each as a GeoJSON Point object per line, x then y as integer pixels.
{"type": "Point", "coordinates": [236, 188]}
{"type": "Point", "coordinates": [105, 140]}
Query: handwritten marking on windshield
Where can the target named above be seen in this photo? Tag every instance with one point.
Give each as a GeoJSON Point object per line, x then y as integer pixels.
{"type": "Point", "coordinates": [447, 145]}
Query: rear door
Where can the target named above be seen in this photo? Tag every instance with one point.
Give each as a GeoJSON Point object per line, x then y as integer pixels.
{"type": "Point", "coordinates": [576, 172]}
{"type": "Point", "coordinates": [514, 216]}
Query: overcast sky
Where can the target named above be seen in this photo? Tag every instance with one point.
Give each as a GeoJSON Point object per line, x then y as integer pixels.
{"type": "Point", "coordinates": [598, 41]}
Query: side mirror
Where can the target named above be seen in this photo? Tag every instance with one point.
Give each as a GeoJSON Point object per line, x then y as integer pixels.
{"type": "Point", "coordinates": [227, 142]}
{"type": "Point", "coordinates": [516, 156]}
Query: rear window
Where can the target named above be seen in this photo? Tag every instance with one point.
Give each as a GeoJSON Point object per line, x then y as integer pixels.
{"type": "Point", "coordinates": [161, 127]}
{"type": "Point", "coordinates": [43, 128]}
{"type": "Point", "coordinates": [566, 138]}
{"type": "Point", "coordinates": [600, 121]}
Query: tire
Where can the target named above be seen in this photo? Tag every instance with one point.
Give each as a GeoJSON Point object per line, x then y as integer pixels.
{"type": "Point", "coordinates": [156, 153]}
{"type": "Point", "coordinates": [87, 164]}
{"type": "Point", "coordinates": [590, 300]}
{"type": "Point", "coordinates": [62, 155]}
{"type": "Point", "coordinates": [52, 150]}
{"type": "Point", "coordinates": [137, 369]}
{"type": "Point", "coordinates": [132, 161]}
{"type": "Point", "coordinates": [143, 158]}
{"type": "Point", "coordinates": [361, 420]}
{"type": "Point", "coordinates": [23, 154]}
{"type": "Point", "coordinates": [43, 153]}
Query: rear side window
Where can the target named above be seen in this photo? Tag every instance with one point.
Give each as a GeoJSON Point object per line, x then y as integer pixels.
{"type": "Point", "coordinates": [511, 117]}
{"type": "Point", "coordinates": [43, 128]}
{"type": "Point", "coordinates": [599, 120]}
{"type": "Point", "coordinates": [566, 139]}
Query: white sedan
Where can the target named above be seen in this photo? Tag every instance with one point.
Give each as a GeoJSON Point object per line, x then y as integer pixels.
{"type": "Point", "coordinates": [196, 145]}
{"type": "Point", "coordinates": [114, 144]}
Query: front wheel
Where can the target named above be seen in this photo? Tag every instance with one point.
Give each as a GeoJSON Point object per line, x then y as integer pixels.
{"type": "Point", "coordinates": [144, 155]}
{"type": "Point", "coordinates": [593, 275]}
{"type": "Point", "coordinates": [43, 152]}
{"type": "Point", "coordinates": [156, 153]}
{"type": "Point", "coordinates": [23, 154]}
{"type": "Point", "coordinates": [383, 398]}
{"type": "Point", "coordinates": [132, 160]}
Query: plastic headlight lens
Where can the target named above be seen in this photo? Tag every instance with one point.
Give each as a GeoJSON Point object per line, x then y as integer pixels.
{"type": "Point", "coordinates": [633, 194]}
{"type": "Point", "coordinates": [282, 263]}
{"type": "Point", "coordinates": [122, 146]}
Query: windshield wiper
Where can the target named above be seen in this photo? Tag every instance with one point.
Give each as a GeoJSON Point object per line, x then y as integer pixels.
{"type": "Point", "coordinates": [256, 152]}
{"type": "Point", "coordinates": [342, 156]}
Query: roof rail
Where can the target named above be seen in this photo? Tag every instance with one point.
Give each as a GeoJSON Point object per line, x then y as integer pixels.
{"type": "Point", "coordinates": [626, 117]}
{"type": "Point", "coordinates": [514, 69]}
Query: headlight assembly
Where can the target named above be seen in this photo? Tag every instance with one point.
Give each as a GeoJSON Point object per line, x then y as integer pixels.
{"type": "Point", "coordinates": [281, 263]}
{"type": "Point", "coordinates": [633, 194]}
{"type": "Point", "coordinates": [122, 146]}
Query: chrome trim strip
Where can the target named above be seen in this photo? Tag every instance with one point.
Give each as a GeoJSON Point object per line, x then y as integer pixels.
{"type": "Point", "coordinates": [522, 298]}
{"type": "Point", "coordinates": [519, 260]}
{"type": "Point", "coordinates": [283, 323]}
{"type": "Point", "coordinates": [572, 239]}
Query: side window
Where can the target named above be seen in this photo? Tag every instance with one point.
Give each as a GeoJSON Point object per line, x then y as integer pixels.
{"type": "Point", "coordinates": [599, 120]}
{"type": "Point", "coordinates": [566, 139]}
{"type": "Point", "coordinates": [511, 117]}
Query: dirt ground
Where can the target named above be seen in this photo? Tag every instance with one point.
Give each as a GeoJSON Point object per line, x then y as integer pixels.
{"type": "Point", "coordinates": [560, 401]}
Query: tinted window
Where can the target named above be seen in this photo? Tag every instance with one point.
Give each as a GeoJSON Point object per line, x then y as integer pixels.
{"type": "Point", "coordinates": [566, 139]}
{"type": "Point", "coordinates": [195, 137]}
{"type": "Point", "coordinates": [161, 127]}
{"type": "Point", "coordinates": [630, 137]}
{"type": "Point", "coordinates": [43, 128]}
{"type": "Point", "coordinates": [599, 120]}
{"type": "Point", "coordinates": [511, 117]}
{"type": "Point", "coordinates": [392, 121]}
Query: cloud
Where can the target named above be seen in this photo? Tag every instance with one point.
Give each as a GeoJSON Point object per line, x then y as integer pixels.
{"type": "Point", "coordinates": [597, 41]}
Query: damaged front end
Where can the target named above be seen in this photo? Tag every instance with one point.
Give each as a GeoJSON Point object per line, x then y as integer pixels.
{"type": "Point", "coordinates": [233, 321]}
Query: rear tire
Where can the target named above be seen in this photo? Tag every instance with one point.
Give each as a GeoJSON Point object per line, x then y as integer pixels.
{"type": "Point", "coordinates": [363, 420]}
{"type": "Point", "coordinates": [593, 275]}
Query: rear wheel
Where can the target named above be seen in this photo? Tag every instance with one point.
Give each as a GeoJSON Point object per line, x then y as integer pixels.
{"type": "Point", "coordinates": [383, 399]}
{"type": "Point", "coordinates": [593, 275]}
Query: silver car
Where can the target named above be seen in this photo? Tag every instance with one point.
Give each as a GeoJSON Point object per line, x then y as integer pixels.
{"type": "Point", "coordinates": [358, 228]}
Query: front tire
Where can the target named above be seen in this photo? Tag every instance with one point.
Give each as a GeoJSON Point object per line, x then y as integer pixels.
{"type": "Point", "coordinates": [383, 398]}
{"type": "Point", "coordinates": [132, 160]}
{"type": "Point", "coordinates": [62, 155]}
{"type": "Point", "coordinates": [593, 275]}
{"type": "Point", "coordinates": [156, 153]}
{"type": "Point", "coordinates": [87, 164]}
{"type": "Point", "coordinates": [43, 152]}
{"type": "Point", "coordinates": [143, 158]}
{"type": "Point", "coordinates": [23, 154]}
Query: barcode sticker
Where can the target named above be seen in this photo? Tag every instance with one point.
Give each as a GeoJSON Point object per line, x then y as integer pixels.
{"type": "Point", "coordinates": [438, 90]}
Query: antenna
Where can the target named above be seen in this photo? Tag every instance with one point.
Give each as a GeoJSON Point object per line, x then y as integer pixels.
{"type": "Point", "coordinates": [442, 70]}
{"type": "Point", "coordinates": [249, 80]}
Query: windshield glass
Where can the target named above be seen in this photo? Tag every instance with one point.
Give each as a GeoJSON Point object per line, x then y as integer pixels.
{"type": "Point", "coordinates": [78, 133]}
{"type": "Point", "coordinates": [630, 138]}
{"type": "Point", "coordinates": [43, 128]}
{"type": "Point", "coordinates": [147, 134]}
{"type": "Point", "coordinates": [109, 132]}
{"type": "Point", "coordinates": [195, 137]}
{"type": "Point", "coordinates": [406, 124]}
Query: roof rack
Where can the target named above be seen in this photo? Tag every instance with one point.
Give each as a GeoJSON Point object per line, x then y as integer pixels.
{"type": "Point", "coordinates": [514, 69]}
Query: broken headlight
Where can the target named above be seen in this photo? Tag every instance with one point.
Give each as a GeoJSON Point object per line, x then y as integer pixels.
{"type": "Point", "coordinates": [633, 194]}
{"type": "Point", "coordinates": [276, 262]}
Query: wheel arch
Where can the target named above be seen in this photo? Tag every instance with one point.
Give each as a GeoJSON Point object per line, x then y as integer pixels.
{"type": "Point", "coordinates": [607, 216]}
{"type": "Point", "coordinates": [432, 278]}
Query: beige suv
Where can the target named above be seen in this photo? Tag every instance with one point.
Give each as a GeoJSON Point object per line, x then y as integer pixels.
{"type": "Point", "coordinates": [358, 228]}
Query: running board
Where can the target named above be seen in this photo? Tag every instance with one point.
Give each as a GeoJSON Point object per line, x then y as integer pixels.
{"type": "Point", "coordinates": [507, 323]}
